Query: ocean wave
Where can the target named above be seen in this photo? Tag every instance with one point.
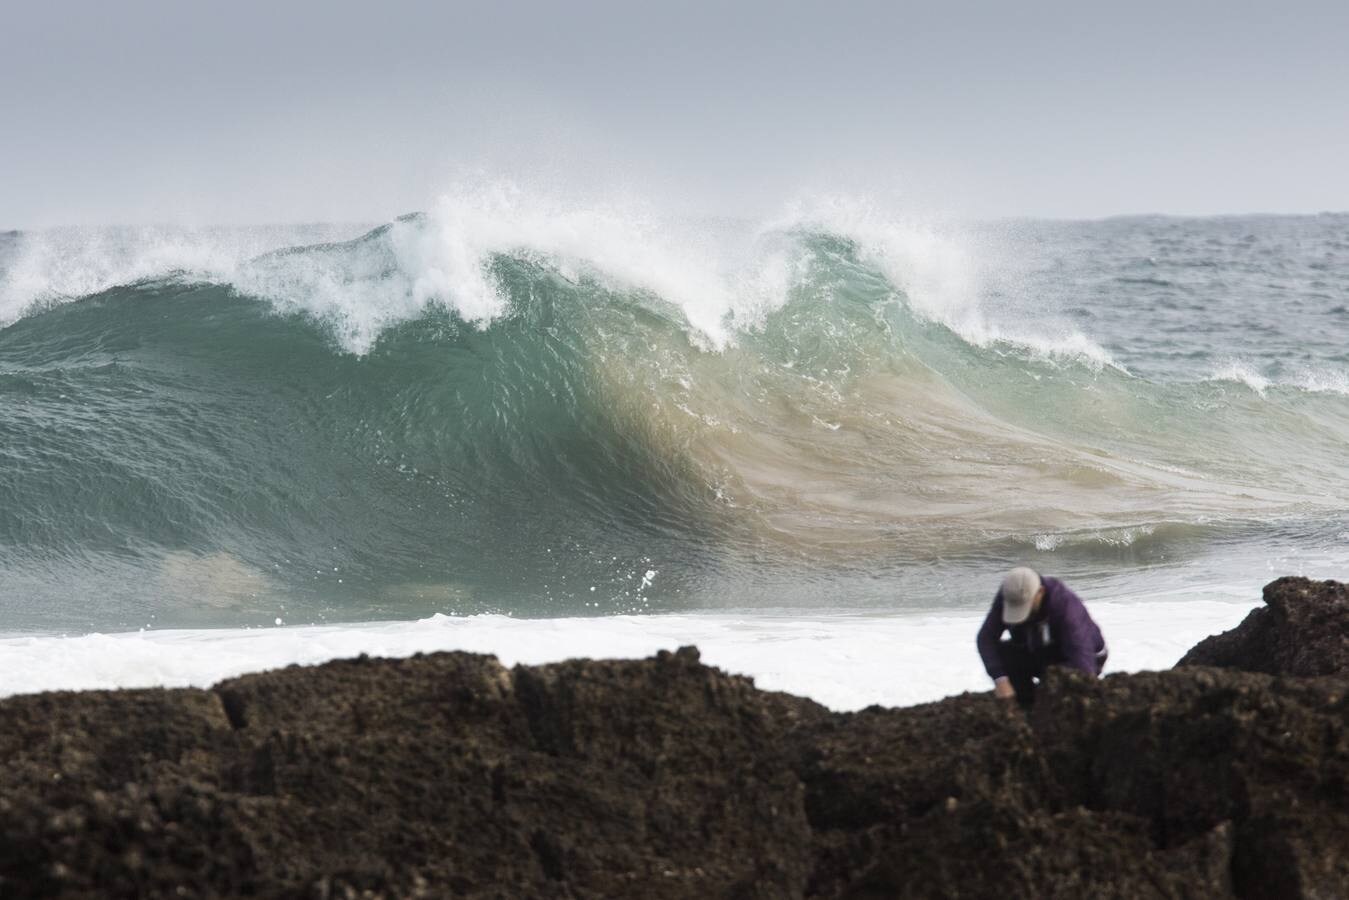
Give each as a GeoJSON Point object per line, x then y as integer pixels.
{"type": "Point", "coordinates": [1241, 373]}
{"type": "Point", "coordinates": [1324, 380]}
{"type": "Point", "coordinates": [724, 277]}
{"type": "Point", "coordinates": [1119, 537]}
{"type": "Point", "coordinates": [46, 268]}
{"type": "Point", "coordinates": [944, 273]}
{"type": "Point", "coordinates": [503, 405]}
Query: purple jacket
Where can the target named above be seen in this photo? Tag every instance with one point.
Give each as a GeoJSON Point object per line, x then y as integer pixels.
{"type": "Point", "coordinates": [1071, 638]}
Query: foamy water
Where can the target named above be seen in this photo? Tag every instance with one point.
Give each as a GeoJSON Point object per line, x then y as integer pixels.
{"type": "Point", "coordinates": [844, 662]}
{"type": "Point", "coordinates": [541, 406]}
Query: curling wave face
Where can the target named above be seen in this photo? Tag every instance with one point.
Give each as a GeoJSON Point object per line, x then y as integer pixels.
{"type": "Point", "coordinates": [498, 407]}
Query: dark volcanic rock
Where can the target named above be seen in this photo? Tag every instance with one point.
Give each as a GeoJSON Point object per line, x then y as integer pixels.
{"type": "Point", "coordinates": [449, 775]}
{"type": "Point", "coordinates": [1210, 758]}
{"type": "Point", "coordinates": [435, 776]}
{"type": "Point", "coordinates": [1194, 783]}
{"type": "Point", "coordinates": [1303, 630]}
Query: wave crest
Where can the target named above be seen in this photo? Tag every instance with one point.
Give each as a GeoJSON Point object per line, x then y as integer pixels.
{"type": "Point", "coordinates": [723, 276]}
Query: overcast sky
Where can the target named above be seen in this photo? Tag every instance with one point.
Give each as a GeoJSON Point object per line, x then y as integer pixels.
{"type": "Point", "coordinates": [244, 112]}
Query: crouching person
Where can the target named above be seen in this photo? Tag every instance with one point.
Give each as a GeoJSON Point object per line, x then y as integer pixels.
{"type": "Point", "coordinates": [1047, 625]}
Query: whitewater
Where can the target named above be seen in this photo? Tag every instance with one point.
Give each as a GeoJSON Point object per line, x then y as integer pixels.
{"type": "Point", "coordinates": [846, 662]}
{"type": "Point", "coordinates": [543, 427]}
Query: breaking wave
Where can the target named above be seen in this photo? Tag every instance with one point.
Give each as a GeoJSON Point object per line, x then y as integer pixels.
{"type": "Point", "coordinates": [502, 405]}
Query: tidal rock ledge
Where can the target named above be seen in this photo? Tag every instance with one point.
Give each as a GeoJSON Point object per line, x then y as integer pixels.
{"type": "Point", "coordinates": [1303, 629]}
{"type": "Point", "coordinates": [449, 775]}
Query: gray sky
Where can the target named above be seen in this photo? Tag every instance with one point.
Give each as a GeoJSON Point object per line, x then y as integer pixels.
{"type": "Point", "coordinates": [153, 111]}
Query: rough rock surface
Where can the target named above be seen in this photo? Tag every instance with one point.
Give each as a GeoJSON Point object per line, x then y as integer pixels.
{"type": "Point", "coordinates": [450, 776]}
{"type": "Point", "coordinates": [1303, 630]}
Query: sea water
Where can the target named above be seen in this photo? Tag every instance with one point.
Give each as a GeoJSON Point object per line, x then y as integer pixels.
{"type": "Point", "coordinates": [810, 444]}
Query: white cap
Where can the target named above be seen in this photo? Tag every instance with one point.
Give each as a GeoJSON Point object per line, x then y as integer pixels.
{"type": "Point", "coordinates": [1019, 588]}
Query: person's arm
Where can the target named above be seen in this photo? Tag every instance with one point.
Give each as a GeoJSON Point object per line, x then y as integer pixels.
{"type": "Point", "coordinates": [989, 635]}
{"type": "Point", "coordinates": [1077, 633]}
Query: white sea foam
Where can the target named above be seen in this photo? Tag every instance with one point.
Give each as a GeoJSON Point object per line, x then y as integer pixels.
{"type": "Point", "coordinates": [1241, 373]}
{"type": "Point", "coordinates": [845, 662]}
{"type": "Point", "coordinates": [1117, 537]}
{"type": "Point", "coordinates": [1313, 381]}
{"type": "Point", "coordinates": [944, 272]}
{"type": "Point", "coordinates": [697, 268]}
{"type": "Point", "coordinates": [1324, 381]}
{"type": "Point", "coordinates": [68, 263]}
{"type": "Point", "coordinates": [723, 276]}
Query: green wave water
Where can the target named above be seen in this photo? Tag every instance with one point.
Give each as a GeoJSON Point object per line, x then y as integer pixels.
{"type": "Point", "coordinates": [381, 427]}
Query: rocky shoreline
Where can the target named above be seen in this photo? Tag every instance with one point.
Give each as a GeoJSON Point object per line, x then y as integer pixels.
{"type": "Point", "coordinates": [448, 775]}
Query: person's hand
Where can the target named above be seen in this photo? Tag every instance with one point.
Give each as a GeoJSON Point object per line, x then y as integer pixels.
{"type": "Point", "coordinates": [1003, 690]}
